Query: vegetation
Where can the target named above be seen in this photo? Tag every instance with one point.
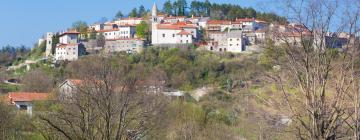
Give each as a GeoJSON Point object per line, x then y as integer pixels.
{"type": "Point", "coordinates": [142, 30]}
{"type": "Point", "coordinates": [10, 54]}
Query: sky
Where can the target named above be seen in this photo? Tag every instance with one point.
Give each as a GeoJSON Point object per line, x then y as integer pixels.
{"type": "Point", "coordinates": [23, 22]}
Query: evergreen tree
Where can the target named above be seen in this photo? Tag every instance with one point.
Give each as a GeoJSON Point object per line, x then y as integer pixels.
{"type": "Point", "coordinates": [142, 11]}
{"type": "Point", "coordinates": [168, 8]}
{"type": "Point", "coordinates": [119, 15]}
{"type": "Point", "coordinates": [133, 13]}
{"type": "Point", "coordinates": [180, 6]}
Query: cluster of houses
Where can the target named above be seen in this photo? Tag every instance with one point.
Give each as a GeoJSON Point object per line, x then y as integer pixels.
{"type": "Point", "coordinates": [240, 35]}
{"type": "Point", "coordinates": [66, 91]}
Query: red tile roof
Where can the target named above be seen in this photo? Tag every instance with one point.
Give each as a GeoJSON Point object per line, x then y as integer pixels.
{"type": "Point", "coordinates": [176, 26]}
{"type": "Point", "coordinates": [183, 32]}
{"type": "Point", "coordinates": [75, 81]}
{"type": "Point", "coordinates": [175, 17]}
{"type": "Point", "coordinates": [69, 32]}
{"type": "Point", "coordinates": [222, 22]}
{"type": "Point", "coordinates": [246, 19]}
{"type": "Point", "coordinates": [26, 97]}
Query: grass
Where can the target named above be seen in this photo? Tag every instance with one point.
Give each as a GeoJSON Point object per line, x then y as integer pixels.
{"type": "Point", "coordinates": [9, 88]}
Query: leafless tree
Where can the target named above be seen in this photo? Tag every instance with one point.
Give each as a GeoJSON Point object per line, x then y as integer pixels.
{"type": "Point", "coordinates": [107, 104]}
{"type": "Point", "coordinates": [37, 81]}
{"type": "Point", "coordinates": [316, 77]}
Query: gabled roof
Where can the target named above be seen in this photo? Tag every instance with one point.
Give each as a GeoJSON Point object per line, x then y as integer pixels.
{"type": "Point", "coordinates": [69, 32]}
{"type": "Point", "coordinates": [183, 32]}
{"type": "Point", "coordinates": [27, 96]}
{"type": "Point", "coordinates": [246, 19]}
{"type": "Point", "coordinates": [176, 26]}
{"type": "Point", "coordinates": [222, 22]}
{"type": "Point", "coordinates": [74, 82]}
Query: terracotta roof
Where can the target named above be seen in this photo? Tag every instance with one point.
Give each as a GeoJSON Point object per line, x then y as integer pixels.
{"type": "Point", "coordinates": [246, 19]}
{"type": "Point", "coordinates": [176, 26]}
{"type": "Point", "coordinates": [175, 17]}
{"type": "Point", "coordinates": [70, 32]}
{"type": "Point", "coordinates": [61, 46]}
{"type": "Point", "coordinates": [222, 22]}
{"type": "Point", "coordinates": [26, 97]}
{"type": "Point", "coordinates": [75, 81]}
{"type": "Point", "coordinates": [183, 32]}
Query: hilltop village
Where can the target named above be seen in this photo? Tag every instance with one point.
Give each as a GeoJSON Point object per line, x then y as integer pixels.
{"type": "Point", "coordinates": [122, 35]}
{"type": "Point", "coordinates": [206, 71]}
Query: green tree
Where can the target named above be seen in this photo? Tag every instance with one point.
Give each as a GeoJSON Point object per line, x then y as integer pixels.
{"type": "Point", "coordinates": [207, 7]}
{"type": "Point", "coordinates": [168, 8]}
{"type": "Point", "coordinates": [142, 11]}
{"type": "Point", "coordinates": [119, 15]}
{"type": "Point", "coordinates": [92, 34]}
{"type": "Point", "coordinates": [180, 7]}
{"type": "Point", "coordinates": [133, 13]}
{"type": "Point", "coordinates": [195, 8]}
{"type": "Point", "coordinates": [142, 30]}
{"type": "Point", "coordinates": [82, 27]}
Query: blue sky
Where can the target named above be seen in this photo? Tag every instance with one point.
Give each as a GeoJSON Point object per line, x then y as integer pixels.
{"type": "Point", "coordinates": [23, 22]}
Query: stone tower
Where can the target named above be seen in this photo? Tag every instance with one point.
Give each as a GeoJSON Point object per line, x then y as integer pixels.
{"type": "Point", "coordinates": [154, 23]}
{"type": "Point", "coordinates": [49, 37]}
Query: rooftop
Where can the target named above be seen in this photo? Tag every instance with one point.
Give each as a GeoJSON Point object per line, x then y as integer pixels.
{"type": "Point", "coordinates": [26, 96]}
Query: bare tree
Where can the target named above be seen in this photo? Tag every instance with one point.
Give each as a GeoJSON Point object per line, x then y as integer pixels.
{"type": "Point", "coordinates": [37, 81]}
{"type": "Point", "coordinates": [315, 77]}
{"type": "Point", "coordinates": [107, 105]}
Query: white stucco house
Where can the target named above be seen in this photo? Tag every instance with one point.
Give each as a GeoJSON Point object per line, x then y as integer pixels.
{"type": "Point", "coordinates": [171, 33]}
{"type": "Point", "coordinates": [231, 41]}
{"type": "Point", "coordinates": [128, 45]}
{"type": "Point", "coordinates": [68, 88]}
{"type": "Point", "coordinates": [69, 47]}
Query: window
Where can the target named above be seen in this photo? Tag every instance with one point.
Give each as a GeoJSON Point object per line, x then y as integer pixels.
{"type": "Point", "coordinates": [163, 35]}
{"type": "Point", "coordinates": [224, 49]}
{"type": "Point", "coordinates": [181, 41]}
{"type": "Point", "coordinates": [173, 35]}
{"type": "Point", "coordinates": [230, 39]}
{"type": "Point", "coordinates": [211, 48]}
{"type": "Point", "coordinates": [186, 35]}
{"type": "Point", "coordinates": [23, 107]}
{"type": "Point", "coordinates": [220, 49]}
{"type": "Point", "coordinates": [230, 44]}
{"type": "Point", "coordinates": [187, 41]}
